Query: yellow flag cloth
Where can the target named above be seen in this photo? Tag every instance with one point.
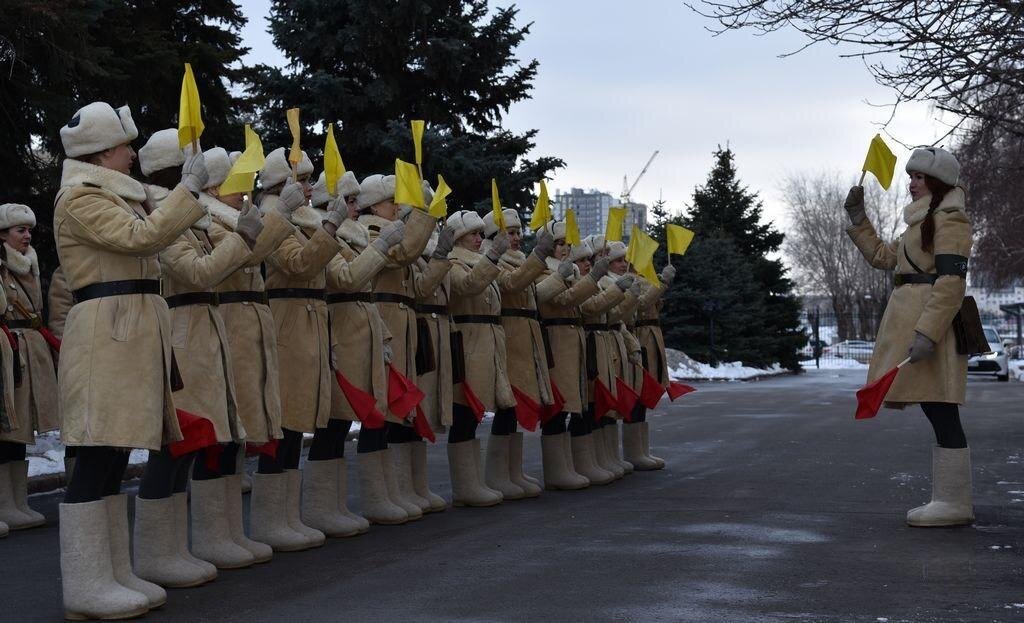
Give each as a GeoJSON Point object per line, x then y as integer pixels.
{"type": "Point", "coordinates": [334, 168]}
{"type": "Point", "coordinates": [190, 119]}
{"type": "Point", "coordinates": [541, 211]}
{"type": "Point", "coordinates": [572, 229]}
{"type": "Point", "coordinates": [439, 204]}
{"type": "Point", "coordinates": [417, 138]}
{"type": "Point", "coordinates": [880, 161]}
{"type": "Point", "coordinates": [641, 254]}
{"type": "Point", "coordinates": [616, 220]}
{"type": "Point", "coordinates": [679, 239]}
{"type": "Point", "coordinates": [295, 155]}
{"type": "Point", "coordinates": [242, 176]}
{"type": "Point", "coordinates": [499, 217]}
{"type": "Point", "coordinates": [408, 189]}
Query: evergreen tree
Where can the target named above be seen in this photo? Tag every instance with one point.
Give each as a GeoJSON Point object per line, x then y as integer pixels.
{"type": "Point", "coordinates": [372, 66]}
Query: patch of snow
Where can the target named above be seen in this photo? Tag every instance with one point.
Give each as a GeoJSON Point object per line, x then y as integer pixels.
{"type": "Point", "coordinates": [835, 364]}
{"type": "Point", "coordinates": [1016, 369]}
{"type": "Point", "coordinates": [46, 455]}
{"type": "Point", "coordinates": [882, 620]}
{"type": "Point", "coordinates": [689, 369]}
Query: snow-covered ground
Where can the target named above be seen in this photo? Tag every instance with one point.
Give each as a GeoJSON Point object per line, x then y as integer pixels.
{"type": "Point", "coordinates": [833, 363]}
{"type": "Point", "coordinates": [46, 456]}
{"type": "Point", "coordinates": [682, 368]}
{"type": "Point", "coordinates": [1016, 367]}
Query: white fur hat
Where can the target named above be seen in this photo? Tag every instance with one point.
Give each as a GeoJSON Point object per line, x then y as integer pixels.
{"type": "Point", "coordinates": [556, 229]}
{"type": "Point", "coordinates": [936, 162]}
{"type": "Point", "coordinates": [277, 169]}
{"type": "Point", "coordinates": [431, 244]}
{"type": "Point", "coordinates": [376, 188]}
{"type": "Point", "coordinates": [97, 127]}
{"type": "Point", "coordinates": [320, 194]}
{"type": "Point", "coordinates": [511, 220]}
{"type": "Point", "coordinates": [616, 250]}
{"type": "Point", "coordinates": [595, 242]}
{"type": "Point", "coordinates": [348, 185]}
{"type": "Point", "coordinates": [161, 151]}
{"type": "Point", "coordinates": [14, 214]}
{"type": "Point", "coordinates": [428, 193]}
{"type": "Point", "coordinates": [218, 163]}
{"type": "Point", "coordinates": [580, 252]}
{"type": "Point", "coordinates": [465, 222]}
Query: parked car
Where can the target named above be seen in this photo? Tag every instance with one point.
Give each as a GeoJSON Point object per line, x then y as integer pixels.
{"type": "Point", "coordinates": [993, 362]}
{"type": "Point", "coordinates": [813, 348]}
{"type": "Point", "coordinates": [858, 350]}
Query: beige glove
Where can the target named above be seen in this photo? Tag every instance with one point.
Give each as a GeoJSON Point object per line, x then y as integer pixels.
{"type": "Point", "coordinates": [291, 199]}
{"type": "Point", "coordinates": [625, 282]}
{"type": "Point", "coordinates": [249, 224]}
{"type": "Point", "coordinates": [855, 205]}
{"type": "Point", "coordinates": [499, 245]}
{"type": "Point", "coordinates": [599, 269]}
{"type": "Point", "coordinates": [390, 235]}
{"type": "Point", "coordinates": [194, 175]}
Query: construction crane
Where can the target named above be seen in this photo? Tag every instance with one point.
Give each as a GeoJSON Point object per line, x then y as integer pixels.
{"type": "Point", "coordinates": [627, 190]}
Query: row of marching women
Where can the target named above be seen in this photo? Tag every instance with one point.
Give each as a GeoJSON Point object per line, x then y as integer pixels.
{"type": "Point", "coordinates": [203, 324]}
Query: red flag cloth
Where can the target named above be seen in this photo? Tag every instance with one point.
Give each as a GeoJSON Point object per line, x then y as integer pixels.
{"type": "Point", "coordinates": [652, 391]}
{"type": "Point", "coordinates": [603, 400]}
{"type": "Point", "coordinates": [269, 448]}
{"type": "Point", "coordinates": [363, 403]}
{"type": "Point", "coordinates": [550, 411]}
{"type": "Point", "coordinates": [527, 410]}
{"type": "Point", "coordinates": [627, 399]}
{"type": "Point", "coordinates": [675, 390]}
{"type": "Point", "coordinates": [403, 395]}
{"type": "Point", "coordinates": [211, 454]}
{"type": "Point", "coordinates": [197, 431]}
{"type": "Point", "coordinates": [50, 338]}
{"type": "Point", "coordinates": [422, 426]}
{"type": "Point", "coordinates": [870, 397]}
{"type": "Point", "coordinates": [475, 405]}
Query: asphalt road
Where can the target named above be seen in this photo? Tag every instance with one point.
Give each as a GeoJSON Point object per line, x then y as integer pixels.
{"type": "Point", "coordinates": [776, 506]}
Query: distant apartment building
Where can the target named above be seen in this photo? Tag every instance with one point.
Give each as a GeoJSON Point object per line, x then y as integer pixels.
{"type": "Point", "coordinates": [989, 299]}
{"type": "Point", "coordinates": [591, 209]}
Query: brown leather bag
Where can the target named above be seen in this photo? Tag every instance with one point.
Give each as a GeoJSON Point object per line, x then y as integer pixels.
{"type": "Point", "coordinates": [426, 360]}
{"type": "Point", "coordinates": [458, 358]}
{"type": "Point", "coordinates": [970, 337]}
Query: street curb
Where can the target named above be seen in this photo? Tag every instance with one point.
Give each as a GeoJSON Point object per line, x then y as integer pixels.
{"type": "Point", "coordinates": [760, 377]}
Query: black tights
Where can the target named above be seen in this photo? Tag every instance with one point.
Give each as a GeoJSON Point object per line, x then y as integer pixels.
{"type": "Point", "coordinates": [371, 440]}
{"type": "Point", "coordinates": [289, 450]}
{"type": "Point", "coordinates": [227, 463]}
{"type": "Point", "coordinates": [463, 424]}
{"type": "Point", "coordinates": [582, 423]}
{"type": "Point", "coordinates": [329, 443]}
{"type": "Point", "coordinates": [945, 419]}
{"type": "Point", "coordinates": [11, 451]}
{"type": "Point", "coordinates": [504, 422]}
{"type": "Point", "coordinates": [639, 413]}
{"type": "Point", "coordinates": [399, 433]}
{"type": "Point", "coordinates": [554, 426]}
{"type": "Point", "coordinates": [99, 471]}
{"type": "Point", "coordinates": [164, 474]}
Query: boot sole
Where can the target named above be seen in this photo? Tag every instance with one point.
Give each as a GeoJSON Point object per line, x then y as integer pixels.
{"type": "Point", "coordinates": [75, 616]}
{"type": "Point", "coordinates": [467, 504]}
{"type": "Point", "coordinates": [956, 524]}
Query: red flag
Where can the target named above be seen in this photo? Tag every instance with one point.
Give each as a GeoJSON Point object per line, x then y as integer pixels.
{"type": "Point", "coordinates": [422, 426]}
{"type": "Point", "coordinates": [403, 395]}
{"type": "Point", "coordinates": [550, 411]}
{"type": "Point", "coordinates": [197, 433]}
{"type": "Point", "coordinates": [473, 402]}
{"type": "Point", "coordinates": [527, 410]}
{"type": "Point", "coordinates": [676, 389]}
{"type": "Point", "coordinates": [603, 400]}
{"type": "Point", "coordinates": [652, 391]}
{"type": "Point", "coordinates": [871, 396]}
{"type": "Point", "coordinates": [50, 338]}
{"type": "Point", "coordinates": [363, 403]}
{"type": "Point", "coordinates": [269, 448]}
{"type": "Point", "coordinates": [627, 399]}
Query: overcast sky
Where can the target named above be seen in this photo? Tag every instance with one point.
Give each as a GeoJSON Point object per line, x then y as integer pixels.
{"type": "Point", "coordinates": [618, 80]}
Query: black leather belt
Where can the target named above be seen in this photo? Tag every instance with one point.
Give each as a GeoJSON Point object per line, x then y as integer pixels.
{"type": "Point", "coordinates": [508, 312]}
{"type": "Point", "coordinates": [388, 297]}
{"type": "Point", "coordinates": [295, 293]}
{"type": "Point", "coordinates": [903, 279]}
{"type": "Point", "coordinates": [243, 296]}
{"type": "Point", "coordinates": [25, 323]}
{"type": "Point", "coordinates": [116, 288]}
{"type": "Point", "coordinates": [596, 327]}
{"type": "Point", "coordinates": [440, 310]}
{"type": "Point", "coordinates": [349, 297]}
{"type": "Point", "coordinates": [649, 322]}
{"type": "Point", "coordinates": [561, 322]}
{"type": "Point", "coordinates": [193, 298]}
{"type": "Point", "coordinates": [476, 319]}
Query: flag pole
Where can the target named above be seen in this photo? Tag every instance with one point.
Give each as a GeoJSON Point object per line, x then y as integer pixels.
{"type": "Point", "coordinates": [863, 174]}
{"type": "Point", "coordinates": [903, 363]}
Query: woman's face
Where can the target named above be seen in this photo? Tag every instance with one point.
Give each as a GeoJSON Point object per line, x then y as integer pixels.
{"type": "Point", "coordinates": [18, 237]}
{"type": "Point", "coordinates": [618, 266]}
{"type": "Point", "coordinates": [918, 187]}
{"type": "Point", "coordinates": [352, 204]}
{"type": "Point", "coordinates": [120, 158]}
{"type": "Point", "coordinates": [470, 241]}
{"type": "Point", "coordinates": [515, 236]}
{"type": "Point", "coordinates": [584, 265]}
{"type": "Point", "coordinates": [307, 188]}
{"type": "Point", "coordinates": [561, 250]}
{"type": "Point", "coordinates": [234, 200]}
{"type": "Point", "coordinates": [387, 209]}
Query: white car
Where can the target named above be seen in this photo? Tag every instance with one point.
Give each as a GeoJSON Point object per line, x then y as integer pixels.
{"type": "Point", "coordinates": [993, 362]}
{"type": "Point", "coordinates": [858, 350]}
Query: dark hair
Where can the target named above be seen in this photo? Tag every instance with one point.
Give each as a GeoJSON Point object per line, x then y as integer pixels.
{"type": "Point", "coordinates": [93, 158]}
{"type": "Point", "coordinates": [168, 177]}
{"type": "Point", "coordinates": [939, 189]}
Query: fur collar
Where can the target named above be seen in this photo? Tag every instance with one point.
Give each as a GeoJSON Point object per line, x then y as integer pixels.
{"type": "Point", "coordinates": [159, 193]}
{"type": "Point", "coordinates": [305, 217]}
{"type": "Point", "coordinates": [354, 233]}
{"type": "Point", "coordinates": [915, 211]}
{"type": "Point", "coordinates": [76, 173]}
{"type": "Point", "coordinates": [464, 255]}
{"type": "Point", "coordinates": [512, 260]}
{"type": "Point", "coordinates": [22, 264]}
{"type": "Point", "coordinates": [222, 212]}
{"type": "Point", "coordinates": [608, 281]}
{"type": "Point", "coordinates": [371, 221]}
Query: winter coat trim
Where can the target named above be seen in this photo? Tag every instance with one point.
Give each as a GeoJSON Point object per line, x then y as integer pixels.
{"type": "Point", "coordinates": [77, 173]}
{"type": "Point", "coordinates": [22, 264]}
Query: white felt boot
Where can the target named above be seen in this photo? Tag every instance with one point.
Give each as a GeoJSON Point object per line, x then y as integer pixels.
{"type": "Point", "coordinates": [261, 552]}
{"type": "Point", "coordinates": [402, 455]}
{"type": "Point", "coordinates": [121, 554]}
{"type": "Point", "coordinates": [10, 512]}
{"type": "Point", "coordinates": [951, 491]}
{"type": "Point", "coordinates": [496, 468]}
{"type": "Point", "coordinates": [268, 517]}
{"type": "Point", "coordinates": [647, 446]}
{"type": "Point", "coordinates": [584, 461]}
{"type": "Point", "coordinates": [467, 489]}
{"type": "Point", "coordinates": [420, 481]}
{"type": "Point", "coordinates": [394, 491]}
{"type": "Point", "coordinates": [633, 447]}
{"type": "Point", "coordinates": [558, 472]}
{"type": "Point", "coordinates": [373, 491]}
{"type": "Point", "coordinates": [320, 509]}
{"type": "Point", "coordinates": [211, 537]}
{"type": "Point", "coordinates": [360, 521]}
{"type": "Point", "coordinates": [530, 486]}
{"type": "Point", "coordinates": [293, 504]}
{"type": "Point", "coordinates": [157, 558]}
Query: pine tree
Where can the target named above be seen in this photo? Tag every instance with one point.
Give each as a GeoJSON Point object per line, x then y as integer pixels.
{"type": "Point", "coordinates": [372, 66]}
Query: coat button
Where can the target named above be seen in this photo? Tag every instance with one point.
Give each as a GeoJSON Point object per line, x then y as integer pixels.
{"type": "Point", "coordinates": [247, 270]}
{"type": "Point", "coordinates": [401, 306]}
{"type": "Point", "coordinates": [13, 287]}
{"type": "Point", "coordinates": [433, 315]}
{"type": "Point", "coordinates": [309, 307]}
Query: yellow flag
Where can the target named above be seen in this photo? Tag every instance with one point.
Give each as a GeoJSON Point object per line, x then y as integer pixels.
{"type": "Point", "coordinates": [641, 254]}
{"type": "Point", "coordinates": [542, 211]}
{"type": "Point", "coordinates": [295, 155]}
{"type": "Point", "coordinates": [334, 168]}
{"type": "Point", "coordinates": [439, 204]}
{"type": "Point", "coordinates": [499, 218]}
{"type": "Point", "coordinates": [190, 119]}
{"type": "Point", "coordinates": [880, 161]}
{"type": "Point", "coordinates": [408, 189]}
{"type": "Point", "coordinates": [572, 229]}
{"type": "Point", "coordinates": [679, 239]}
{"type": "Point", "coordinates": [616, 221]}
{"type": "Point", "coordinates": [242, 176]}
{"type": "Point", "coordinates": [417, 139]}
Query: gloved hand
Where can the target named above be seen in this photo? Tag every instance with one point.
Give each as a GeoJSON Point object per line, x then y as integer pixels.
{"type": "Point", "coordinates": [389, 354]}
{"type": "Point", "coordinates": [922, 348]}
{"type": "Point", "coordinates": [194, 176]}
{"type": "Point", "coordinates": [625, 282]}
{"type": "Point", "coordinates": [403, 212]}
{"type": "Point", "coordinates": [668, 274]}
{"type": "Point", "coordinates": [635, 288]}
{"type": "Point", "coordinates": [499, 245]}
{"type": "Point", "coordinates": [545, 245]}
{"type": "Point", "coordinates": [291, 199]}
{"type": "Point", "coordinates": [599, 269]}
{"type": "Point", "coordinates": [335, 215]}
{"type": "Point", "coordinates": [566, 269]}
{"type": "Point", "coordinates": [855, 205]}
{"type": "Point", "coordinates": [249, 224]}
{"type": "Point", "coordinates": [390, 235]}
{"type": "Point", "coordinates": [445, 243]}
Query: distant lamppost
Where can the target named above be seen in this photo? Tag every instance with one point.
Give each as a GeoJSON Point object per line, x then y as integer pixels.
{"type": "Point", "coordinates": [711, 305]}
